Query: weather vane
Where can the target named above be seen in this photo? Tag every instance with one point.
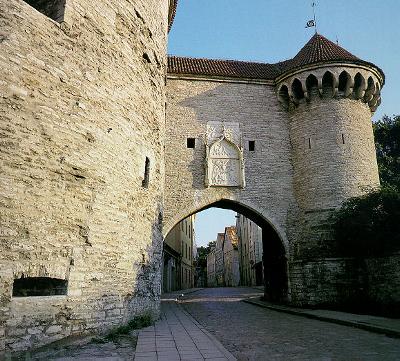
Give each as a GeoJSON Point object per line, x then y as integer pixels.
{"type": "Point", "coordinates": [313, 23]}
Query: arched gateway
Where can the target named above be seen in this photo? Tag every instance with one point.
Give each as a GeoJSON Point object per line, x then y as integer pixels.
{"type": "Point", "coordinates": [274, 247]}
{"type": "Point", "coordinates": [286, 143]}
{"type": "Point", "coordinates": [96, 167]}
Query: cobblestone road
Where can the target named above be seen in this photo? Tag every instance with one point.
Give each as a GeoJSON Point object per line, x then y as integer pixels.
{"type": "Point", "coordinates": [254, 333]}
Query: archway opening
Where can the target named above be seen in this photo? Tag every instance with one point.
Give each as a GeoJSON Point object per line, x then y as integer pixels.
{"type": "Point", "coordinates": [246, 251]}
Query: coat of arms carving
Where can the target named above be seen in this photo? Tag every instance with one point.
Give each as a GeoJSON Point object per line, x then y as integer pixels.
{"type": "Point", "coordinates": [224, 155]}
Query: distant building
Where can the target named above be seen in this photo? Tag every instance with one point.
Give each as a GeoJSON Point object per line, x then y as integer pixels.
{"type": "Point", "coordinates": [219, 260]}
{"type": "Point", "coordinates": [250, 247]}
{"type": "Point", "coordinates": [231, 257]}
{"type": "Point", "coordinates": [211, 278]}
{"type": "Point", "coordinates": [178, 269]}
{"type": "Point", "coordinates": [223, 260]}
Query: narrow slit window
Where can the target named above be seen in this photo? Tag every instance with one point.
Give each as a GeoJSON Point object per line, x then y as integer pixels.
{"type": "Point", "coordinates": [309, 143]}
{"type": "Point", "coordinates": [191, 143]}
{"type": "Point", "coordinates": [39, 286]}
{"type": "Point", "coordinates": [343, 138]}
{"type": "Point", "coordinates": [53, 9]}
{"type": "Point", "coordinates": [252, 145]}
{"type": "Point", "coordinates": [146, 177]}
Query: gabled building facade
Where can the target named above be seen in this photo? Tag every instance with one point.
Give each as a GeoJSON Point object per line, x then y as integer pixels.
{"type": "Point", "coordinates": [178, 267]}
{"type": "Point", "coordinates": [250, 245]}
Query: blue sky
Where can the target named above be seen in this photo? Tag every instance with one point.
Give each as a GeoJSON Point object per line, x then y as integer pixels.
{"type": "Point", "coordinates": [273, 30]}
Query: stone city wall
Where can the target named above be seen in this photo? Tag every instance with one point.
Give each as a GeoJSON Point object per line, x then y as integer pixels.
{"type": "Point", "coordinates": [255, 109]}
{"type": "Point", "coordinates": [82, 104]}
{"type": "Point", "coordinates": [369, 285]}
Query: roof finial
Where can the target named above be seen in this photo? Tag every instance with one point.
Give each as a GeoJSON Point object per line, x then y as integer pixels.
{"type": "Point", "coordinates": [313, 23]}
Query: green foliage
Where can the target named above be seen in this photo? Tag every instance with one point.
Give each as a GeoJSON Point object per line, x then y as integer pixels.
{"type": "Point", "coordinates": [387, 139]}
{"type": "Point", "coordinates": [134, 324]}
{"type": "Point", "coordinates": [369, 225]}
{"type": "Point", "coordinates": [202, 253]}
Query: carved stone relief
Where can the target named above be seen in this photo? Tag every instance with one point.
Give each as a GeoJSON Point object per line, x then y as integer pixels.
{"type": "Point", "coordinates": [224, 158]}
{"type": "Point", "coordinates": [231, 131]}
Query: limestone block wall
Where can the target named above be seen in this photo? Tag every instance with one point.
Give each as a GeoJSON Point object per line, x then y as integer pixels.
{"type": "Point", "coordinates": [268, 170]}
{"type": "Point", "coordinates": [333, 157]}
{"type": "Point", "coordinates": [383, 283]}
{"type": "Point", "coordinates": [82, 105]}
{"type": "Point", "coordinates": [368, 285]}
{"type": "Point", "coordinates": [329, 281]}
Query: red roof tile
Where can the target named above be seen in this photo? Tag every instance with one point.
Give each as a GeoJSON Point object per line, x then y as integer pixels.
{"type": "Point", "coordinates": [227, 68]}
{"type": "Point", "coordinates": [318, 50]}
{"type": "Point", "coordinates": [172, 13]}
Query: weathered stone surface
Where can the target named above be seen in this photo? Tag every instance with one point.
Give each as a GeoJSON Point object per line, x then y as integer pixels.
{"type": "Point", "coordinates": [194, 103]}
{"type": "Point", "coordinates": [86, 153]}
{"type": "Point", "coordinates": [81, 107]}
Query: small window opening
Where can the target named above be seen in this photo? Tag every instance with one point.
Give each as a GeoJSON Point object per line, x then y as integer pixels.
{"type": "Point", "coordinates": [343, 138]}
{"type": "Point", "coordinates": [252, 145]}
{"type": "Point", "coordinates": [309, 143]}
{"type": "Point", "coordinates": [39, 286]}
{"type": "Point", "coordinates": [54, 9]}
{"type": "Point", "coordinates": [145, 182]}
{"type": "Point", "coordinates": [191, 142]}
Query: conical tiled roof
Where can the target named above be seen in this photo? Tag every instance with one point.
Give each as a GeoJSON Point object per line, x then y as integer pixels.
{"type": "Point", "coordinates": [318, 50]}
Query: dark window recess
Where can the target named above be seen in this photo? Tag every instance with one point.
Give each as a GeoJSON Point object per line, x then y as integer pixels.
{"type": "Point", "coordinates": [54, 9]}
{"type": "Point", "coordinates": [343, 138]}
{"type": "Point", "coordinates": [309, 143]}
{"type": "Point", "coordinates": [191, 142]}
{"type": "Point", "coordinates": [39, 286]}
{"type": "Point", "coordinates": [146, 177]}
{"type": "Point", "coordinates": [252, 145]}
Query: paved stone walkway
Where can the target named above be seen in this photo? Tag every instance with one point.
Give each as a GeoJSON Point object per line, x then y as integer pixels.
{"type": "Point", "coordinates": [253, 333]}
{"type": "Point", "coordinates": [178, 337]}
{"type": "Point", "coordinates": [384, 325]}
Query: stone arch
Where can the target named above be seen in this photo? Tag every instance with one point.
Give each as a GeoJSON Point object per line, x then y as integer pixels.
{"type": "Point", "coordinates": [312, 85]}
{"type": "Point", "coordinates": [345, 83]}
{"type": "Point", "coordinates": [52, 9]}
{"type": "Point", "coordinates": [297, 90]}
{"type": "Point", "coordinates": [328, 82]}
{"type": "Point", "coordinates": [369, 93]}
{"type": "Point", "coordinates": [359, 86]}
{"type": "Point", "coordinates": [275, 246]}
{"type": "Point", "coordinates": [376, 98]}
{"type": "Point", "coordinates": [283, 96]}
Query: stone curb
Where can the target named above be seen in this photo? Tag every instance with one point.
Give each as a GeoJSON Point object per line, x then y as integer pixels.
{"type": "Point", "coordinates": [364, 326]}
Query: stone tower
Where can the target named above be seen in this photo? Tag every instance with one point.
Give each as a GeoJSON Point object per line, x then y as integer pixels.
{"type": "Point", "coordinates": [82, 116]}
{"type": "Point", "coordinates": [330, 96]}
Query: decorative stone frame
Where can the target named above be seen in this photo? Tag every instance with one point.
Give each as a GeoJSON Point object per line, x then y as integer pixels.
{"type": "Point", "coordinates": [237, 160]}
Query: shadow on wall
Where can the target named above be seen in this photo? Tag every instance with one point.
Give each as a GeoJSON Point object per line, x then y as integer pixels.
{"type": "Point", "coordinates": [247, 104]}
{"type": "Point", "coordinates": [31, 322]}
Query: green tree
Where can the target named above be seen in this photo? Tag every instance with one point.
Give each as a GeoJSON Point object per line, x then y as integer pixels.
{"type": "Point", "coordinates": [387, 139]}
{"type": "Point", "coordinates": [202, 253]}
{"type": "Point", "coordinates": [369, 225]}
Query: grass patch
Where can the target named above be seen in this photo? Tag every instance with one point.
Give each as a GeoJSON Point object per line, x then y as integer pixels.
{"type": "Point", "coordinates": [134, 324]}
